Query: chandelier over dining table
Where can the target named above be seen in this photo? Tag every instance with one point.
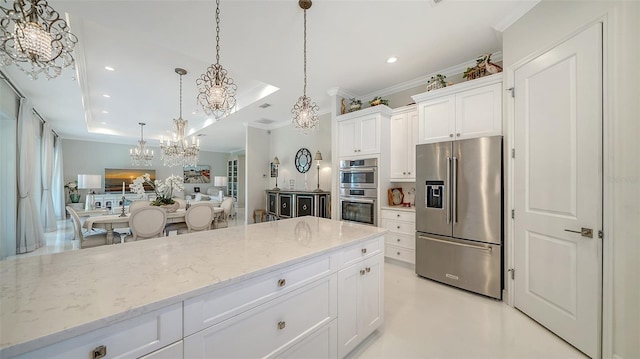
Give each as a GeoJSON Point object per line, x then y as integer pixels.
{"type": "Point", "coordinates": [35, 38]}
{"type": "Point", "coordinates": [141, 155]}
{"type": "Point", "coordinates": [177, 151]}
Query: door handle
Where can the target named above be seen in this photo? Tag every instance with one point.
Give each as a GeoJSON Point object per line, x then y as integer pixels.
{"type": "Point", "coordinates": [447, 201]}
{"type": "Point", "coordinates": [454, 191]}
{"type": "Point", "coordinates": [585, 232]}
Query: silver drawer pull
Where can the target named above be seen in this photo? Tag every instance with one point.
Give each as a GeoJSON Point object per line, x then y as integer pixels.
{"type": "Point", "coordinates": [281, 325]}
{"type": "Point", "coordinates": [99, 352]}
{"type": "Point", "coordinates": [282, 282]}
{"type": "Point", "coordinates": [364, 250]}
{"type": "Point", "coordinates": [362, 272]}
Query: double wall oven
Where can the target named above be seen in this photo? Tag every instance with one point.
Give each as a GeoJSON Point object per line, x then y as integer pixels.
{"type": "Point", "coordinates": [359, 190]}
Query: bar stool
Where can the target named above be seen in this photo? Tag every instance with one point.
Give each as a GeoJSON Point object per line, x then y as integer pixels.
{"type": "Point", "coordinates": [258, 214]}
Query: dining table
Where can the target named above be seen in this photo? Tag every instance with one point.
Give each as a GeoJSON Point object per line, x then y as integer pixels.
{"type": "Point", "coordinates": [112, 221]}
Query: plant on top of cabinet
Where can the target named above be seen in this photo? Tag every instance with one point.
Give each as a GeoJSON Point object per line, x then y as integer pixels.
{"type": "Point", "coordinates": [354, 104]}
{"type": "Point", "coordinates": [436, 82]}
{"type": "Point", "coordinates": [378, 101]}
{"type": "Point", "coordinates": [483, 67]}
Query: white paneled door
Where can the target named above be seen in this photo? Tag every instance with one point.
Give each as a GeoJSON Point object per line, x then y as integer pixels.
{"type": "Point", "coordinates": [558, 189]}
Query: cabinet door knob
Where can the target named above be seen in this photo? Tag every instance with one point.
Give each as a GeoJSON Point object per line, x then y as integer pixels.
{"type": "Point", "coordinates": [409, 172]}
{"type": "Point", "coordinates": [398, 215]}
{"type": "Point", "coordinates": [451, 135]}
{"type": "Point", "coordinates": [364, 250]}
{"type": "Point", "coordinates": [362, 272]}
{"type": "Point", "coordinates": [282, 282]}
{"type": "Point", "coordinates": [398, 253]}
{"type": "Point", "coordinates": [368, 269]}
{"type": "Point", "coordinates": [457, 134]}
{"type": "Point", "coordinates": [398, 240]}
{"type": "Point", "coordinates": [99, 352]}
{"type": "Point", "coordinates": [404, 173]}
{"type": "Point", "coordinates": [398, 227]}
{"type": "Point", "coordinates": [281, 325]}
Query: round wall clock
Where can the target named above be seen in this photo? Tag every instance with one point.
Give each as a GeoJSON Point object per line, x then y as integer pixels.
{"type": "Point", "coordinates": [303, 160]}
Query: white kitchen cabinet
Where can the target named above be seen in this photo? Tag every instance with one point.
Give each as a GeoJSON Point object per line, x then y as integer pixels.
{"type": "Point", "coordinates": [131, 338]}
{"type": "Point", "coordinates": [323, 344]}
{"type": "Point", "coordinates": [360, 294]}
{"type": "Point", "coordinates": [173, 351]}
{"type": "Point", "coordinates": [403, 132]}
{"type": "Point", "coordinates": [359, 133]}
{"type": "Point", "coordinates": [270, 328]}
{"type": "Point", "coordinates": [467, 110]}
{"type": "Point", "coordinates": [400, 243]}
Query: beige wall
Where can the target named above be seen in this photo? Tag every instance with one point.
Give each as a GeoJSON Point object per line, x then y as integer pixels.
{"type": "Point", "coordinates": [545, 26]}
{"type": "Point", "coordinates": [257, 158]}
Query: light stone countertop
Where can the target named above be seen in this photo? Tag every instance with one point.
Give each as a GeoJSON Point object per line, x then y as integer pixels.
{"type": "Point", "coordinates": [49, 298]}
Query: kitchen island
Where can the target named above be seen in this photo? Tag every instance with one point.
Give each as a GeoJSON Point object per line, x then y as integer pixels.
{"type": "Point", "coordinates": [269, 289]}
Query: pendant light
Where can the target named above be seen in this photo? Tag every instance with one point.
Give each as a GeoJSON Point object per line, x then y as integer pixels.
{"type": "Point", "coordinates": [178, 151]}
{"type": "Point", "coordinates": [305, 112]}
{"type": "Point", "coordinates": [217, 90]}
{"type": "Point", "coordinates": [141, 155]}
{"type": "Point", "coordinates": [35, 38]}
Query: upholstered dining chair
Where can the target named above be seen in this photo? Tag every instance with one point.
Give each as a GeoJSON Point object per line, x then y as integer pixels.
{"type": "Point", "coordinates": [198, 218]}
{"type": "Point", "coordinates": [223, 219]}
{"type": "Point", "coordinates": [147, 222]}
{"type": "Point", "coordinates": [88, 239]}
{"type": "Point", "coordinates": [138, 204]}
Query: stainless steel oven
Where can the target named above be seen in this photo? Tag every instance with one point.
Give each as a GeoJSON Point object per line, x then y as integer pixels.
{"type": "Point", "coordinates": [359, 173]}
{"type": "Point", "coordinates": [359, 205]}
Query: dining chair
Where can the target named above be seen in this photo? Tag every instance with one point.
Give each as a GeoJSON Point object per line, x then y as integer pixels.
{"type": "Point", "coordinates": [222, 220]}
{"type": "Point", "coordinates": [138, 204]}
{"type": "Point", "coordinates": [88, 239]}
{"type": "Point", "coordinates": [198, 218]}
{"type": "Point", "coordinates": [147, 222]}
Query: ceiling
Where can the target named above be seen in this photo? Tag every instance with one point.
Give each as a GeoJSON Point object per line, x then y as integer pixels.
{"type": "Point", "coordinates": [261, 47]}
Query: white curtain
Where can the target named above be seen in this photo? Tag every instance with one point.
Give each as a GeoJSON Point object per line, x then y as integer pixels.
{"type": "Point", "coordinates": [29, 234]}
{"type": "Point", "coordinates": [57, 188]}
{"type": "Point", "coordinates": [47, 213]}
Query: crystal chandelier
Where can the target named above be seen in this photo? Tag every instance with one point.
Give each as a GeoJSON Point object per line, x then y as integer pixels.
{"type": "Point", "coordinates": [217, 89]}
{"type": "Point", "coordinates": [305, 112]}
{"type": "Point", "coordinates": [141, 156]}
{"type": "Point", "coordinates": [178, 151]}
{"type": "Point", "coordinates": [35, 38]}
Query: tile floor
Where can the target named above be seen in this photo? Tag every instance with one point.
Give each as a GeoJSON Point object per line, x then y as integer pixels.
{"type": "Point", "coordinates": [426, 319]}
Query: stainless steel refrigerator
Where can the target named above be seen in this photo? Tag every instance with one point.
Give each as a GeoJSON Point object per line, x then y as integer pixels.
{"type": "Point", "coordinates": [459, 214]}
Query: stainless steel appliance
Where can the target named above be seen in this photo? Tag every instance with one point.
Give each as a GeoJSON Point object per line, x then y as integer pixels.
{"type": "Point", "coordinates": [359, 205]}
{"type": "Point", "coordinates": [359, 190]}
{"type": "Point", "coordinates": [359, 173]}
{"type": "Point", "coordinates": [459, 214]}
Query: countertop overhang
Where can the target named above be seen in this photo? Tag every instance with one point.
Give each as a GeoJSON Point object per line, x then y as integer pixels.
{"type": "Point", "coordinates": [49, 298]}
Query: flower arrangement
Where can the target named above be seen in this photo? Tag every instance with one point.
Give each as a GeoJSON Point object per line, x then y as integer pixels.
{"type": "Point", "coordinates": [354, 104]}
{"type": "Point", "coordinates": [378, 101]}
{"type": "Point", "coordinates": [72, 186]}
{"type": "Point", "coordinates": [163, 190]}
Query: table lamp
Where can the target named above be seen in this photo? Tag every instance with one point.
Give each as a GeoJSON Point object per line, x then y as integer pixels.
{"type": "Point", "coordinates": [89, 182]}
{"type": "Point", "coordinates": [220, 181]}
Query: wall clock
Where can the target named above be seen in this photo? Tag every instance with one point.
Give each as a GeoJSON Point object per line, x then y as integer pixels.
{"type": "Point", "coordinates": [303, 160]}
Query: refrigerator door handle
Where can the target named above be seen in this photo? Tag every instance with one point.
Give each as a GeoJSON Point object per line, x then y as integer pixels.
{"type": "Point", "coordinates": [488, 249]}
{"type": "Point", "coordinates": [448, 182]}
{"type": "Point", "coordinates": [454, 207]}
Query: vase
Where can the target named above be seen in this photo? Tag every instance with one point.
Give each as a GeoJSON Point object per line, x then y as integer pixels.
{"type": "Point", "coordinates": [75, 197]}
{"type": "Point", "coordinates": [170, 207]}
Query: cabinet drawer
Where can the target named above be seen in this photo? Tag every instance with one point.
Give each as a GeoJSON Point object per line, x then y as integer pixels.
{"type": "Point", "coordinates": [173, 351]}
{"type": "Point", "coordinates": [321, 344]}
{"type": "Point", "coordinates": [360, 251]}
{"type": "Point", "coordinates": [131, 338]}
{"type": "Point", "coordinates": [399, 226]}
{"type": "Point", "coordinates": [268, 329]}
{"type": "Point", "coordinates": [401, 254]}
{"type": "Point", "coordinates": [401, 240]}
{"type": "Point", "coordinates": [399, 215]}
{"type": "Point", "coordinates": [211, 308]}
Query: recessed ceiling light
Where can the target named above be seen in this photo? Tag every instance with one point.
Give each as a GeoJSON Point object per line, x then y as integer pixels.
{"type": "Point", "coordinates": [194, 113]}
{"type": "Point", "coordinates": [109, 68]}
{"type": "Point", "coordinates": [104, 123]}
{"type": "Point", "coordinates": [392, 60]}
{"type": "Point", "coordinates": [105, 111]}
{"type": "Point", "coordinates": [106, 95]}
